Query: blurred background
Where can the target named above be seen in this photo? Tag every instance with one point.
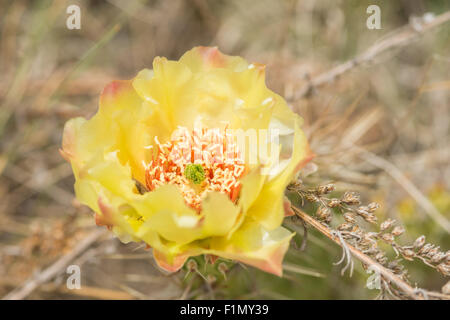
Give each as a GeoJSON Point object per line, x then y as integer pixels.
{"type": "Point", "coordinates": [397, 107]}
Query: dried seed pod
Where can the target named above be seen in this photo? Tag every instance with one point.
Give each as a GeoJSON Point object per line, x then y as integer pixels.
{"type": "Point", "coordinates": [408, 254]}
{"type": "Point", "coordinates": [311, 197]}
{"type": "Point", "coordinates": [379, 255]}
{"type": "Point", "coordinates": [387, 224]}
{"type": "Point", "coordinates": [433, 251]}
{"type": "Point", "coordinates": [388, 237]}
{"type": "Point", "coordinates": [366, 215]}
{"type": "Point", "coordinates": [296, 184]}
{"type": "Point", "coordinates": [364, 242]}
{"type": "Point", "coordinates": [371, 218]}
{"type": "Point", "coordinates": [363, 210]}
{"type": "Point", "coordinates": [373, 236]}
{"type": "Point", "coordinates": [373, 206]}
{"type": "Point", "coordinates": [325, 189]}
{"type": "Point", "coordinates": [420, 241]}
{"type": "Point", "coordinates": [351, 198]}
{"type": "Point", "coordinates": [334, 203]}
{"type": "Point", "coordinates": [350, 217]}
{"type": "Point", "coordinates": [425, 249]}
{"type": "Point", "coordinates": [344, 227]}
{"type": "Point", "coordinates": [383, 260]}
{"type": "Point", "coordinates": [324, 213]}
{"type": "Point", "coordinates": [398, 230]}
{"type": "Point", "coordinates": [443, 268]}
{"type": "Point", "coordinates": [357, 230]}
{"type": "Point", "coordinates": [438, 257]}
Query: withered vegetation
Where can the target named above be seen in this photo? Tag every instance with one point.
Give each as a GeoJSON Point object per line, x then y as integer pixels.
{"type": "Point", "coordinates": [375, 105]}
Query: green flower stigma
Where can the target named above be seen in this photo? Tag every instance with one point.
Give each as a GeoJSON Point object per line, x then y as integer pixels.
{"type": "Point", "coordinates": [194, 173]}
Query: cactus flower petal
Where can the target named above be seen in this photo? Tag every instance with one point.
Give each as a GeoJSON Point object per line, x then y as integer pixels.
{"type": "Point", "coordinates": [126, 171]}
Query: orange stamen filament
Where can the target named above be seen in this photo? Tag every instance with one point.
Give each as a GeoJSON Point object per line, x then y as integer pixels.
{"type": "Point", "coordinates": [214, 149]}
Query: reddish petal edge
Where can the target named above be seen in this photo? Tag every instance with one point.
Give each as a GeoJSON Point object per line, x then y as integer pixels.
{"type": "Point", "coordinates": [163, 263]}
{"type": "Point", "coordinates": [274, 262]}
{"type": "Point", "coordinates": [106, 218]}
{"type": "Point", "coordinates": [212, 56]}
{"type": "Point", "coordinates": [288, 212]}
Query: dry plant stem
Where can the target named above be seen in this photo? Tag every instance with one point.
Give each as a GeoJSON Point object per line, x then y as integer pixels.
{"type": "Point", "coordinates": [402, 285]}
{"type": "Point", "coordinates": [400, 38]}
{"type": "Point", "coordinates": [91, 292]}
{"type": "Point", "coordinates": [46, 275]}
{"type": "Point", "coordinates": [409, 187]}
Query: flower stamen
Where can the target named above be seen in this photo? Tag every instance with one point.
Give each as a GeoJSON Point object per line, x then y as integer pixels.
{"type": "Point", "coordinates": [198, 162]}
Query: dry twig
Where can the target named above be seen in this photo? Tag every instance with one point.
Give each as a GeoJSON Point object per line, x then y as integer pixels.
{"type": "Point", "coordinates": [56, 268]}
{"type": "Point", "coordinates": [387, 274]}
{"type": "Point", "coordinates": [400, 38]}
{"type": "Point", "coordinates": [409, 187]}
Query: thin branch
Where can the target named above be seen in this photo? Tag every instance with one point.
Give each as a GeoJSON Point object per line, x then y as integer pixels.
{"type": "Point", "coordinates": [56, 268]}
{"type": "Point", "coordinates": [90, 292]}
{"type": "Point", "coordinates": [399, 38]}
{"type": "Point", "coordinates": [409, 187]}
{"type": "Point", "coordinates": [387, 274]}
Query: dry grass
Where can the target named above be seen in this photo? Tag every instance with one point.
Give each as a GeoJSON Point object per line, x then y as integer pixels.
{"type": "Point", "coordinates": [395, 108]}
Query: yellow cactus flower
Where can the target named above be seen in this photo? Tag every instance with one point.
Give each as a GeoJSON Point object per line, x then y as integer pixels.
{"type": "Point", "coordinates": [134, 168]}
